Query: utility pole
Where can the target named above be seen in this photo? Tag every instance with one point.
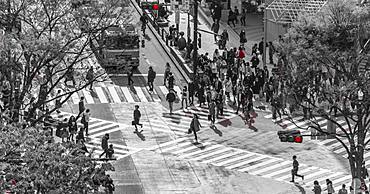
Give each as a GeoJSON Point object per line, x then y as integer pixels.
{"type": "Point", "coordinates": [195, 39]}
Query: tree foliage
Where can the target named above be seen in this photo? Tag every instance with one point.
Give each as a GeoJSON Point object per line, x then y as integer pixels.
{"type": "Point", "coordinates": [31, 161]}
{"type": "Point", "coordinates": [322, 59]}
{"type": "Point", "coordinates": [43, 40]}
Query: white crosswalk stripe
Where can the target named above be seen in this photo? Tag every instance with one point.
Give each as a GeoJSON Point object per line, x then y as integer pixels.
{"type": "Point", "coordinates": [127, 94]}
{"type": "Point", "coordinates": [89, 99]}
{"type": "Point", "coordinates": [101, 95]}
{"type": "Point", "coordinates": [244, 161]}
{"type": "Point", "coordinates": [114, 94]}
{"type": "Point", "coordinates": [75, 98]}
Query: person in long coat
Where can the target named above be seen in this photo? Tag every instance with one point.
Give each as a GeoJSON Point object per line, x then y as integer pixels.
{"type": "Point", "coordinates": [195, 126]}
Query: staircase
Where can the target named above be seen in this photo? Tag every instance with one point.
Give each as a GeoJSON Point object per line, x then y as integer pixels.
{"type": "Point", "coordinates": [364, 66]}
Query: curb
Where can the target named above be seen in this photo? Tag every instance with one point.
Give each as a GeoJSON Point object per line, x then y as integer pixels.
{"type": "Point", "coordinates": [177, 60]}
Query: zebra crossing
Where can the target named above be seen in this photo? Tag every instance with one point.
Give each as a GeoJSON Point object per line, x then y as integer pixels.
{"type": "Point", "coordinates": [248, 162]}
{"type": "Point", "coordinates": [97, 129]}
{"type": "Point", "coordinates": [332, 144]}
{"type": "Point", "coordinates": [178, 123]}
{"type": "Point", "coordinates": [121, 94]}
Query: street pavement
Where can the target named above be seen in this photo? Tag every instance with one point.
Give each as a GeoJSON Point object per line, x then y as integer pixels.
{"type": "Point", "coordinates": [298, 123]}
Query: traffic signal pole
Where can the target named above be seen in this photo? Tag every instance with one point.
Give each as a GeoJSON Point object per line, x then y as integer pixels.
{"type": "Point", "coordinates": [195, 40]}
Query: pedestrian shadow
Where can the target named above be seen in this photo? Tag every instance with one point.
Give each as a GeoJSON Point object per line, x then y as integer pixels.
{"type": "Point", "coordinates": [140, 135]}
{"type": "Point", "coordinates": [225, 123]}
{"type": "Point", "coordinates": [253, 128]}
{"type": "Point", "coordinates": [301, 189]}
{"type": "Point", "coordinates": [218, 132]}
{"type": "Point", "coordinates": [199, 145]}
{"type": "Point", "coordinates": [147, 37]}
{"type": "Point", "coordinates": [173, 119]}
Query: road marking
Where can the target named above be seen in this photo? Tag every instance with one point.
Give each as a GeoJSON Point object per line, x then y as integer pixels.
{"type": "Point", "coordinates": [246, 162]}
{"type": "Point", "coordinates": [200, 151]}
{"type": "Point", "coordinates": [211, 160]}
{"type": "Point", "coordinates": [300, 171]}
{"type": "Point", "coordinates": [167, 143]}
{"type": "Point", "coordinates": [141, 94]}
{"type": "Point", "coordinates": [272, 160]}
{"type": "Point", "coordinates": [180, 145]}
{"type": "Point", "coordinates": [127, 94]}
{"type": "Point", "coordinates": [189, 148]}
{"type": "Point", "coordinates": [101, 95]}
{"type": "Point", "coordinates": [260, 171]}
{"type": "Point", "coordinates": [104, 132]}
{"type": "Point", "coordinates": [89, 99]}
{"type": "Point", "coordinates": [233, 159]}
{"type": "Point", "coordinates": [114, 94]}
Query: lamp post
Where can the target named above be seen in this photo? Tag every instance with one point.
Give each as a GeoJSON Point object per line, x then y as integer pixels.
{"type": "Point", "coordinates": [195, 46]}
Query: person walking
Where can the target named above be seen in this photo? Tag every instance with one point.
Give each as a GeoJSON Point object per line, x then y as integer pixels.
{"type": "Point", "coordinates": [191, 90]}
{"type": "Point", "coordinates": [80, 135]}
{"type": "Point", "coordinates": [243, 17]}
{"type": "Point", "coordinates": [110, 151]}
{"type": "Point", "coordinates": [343, 190]}
{"type": "Point", "coordinates": [231, 18]}
{"type": "Point", "coordinates": [104, 145]}
{"type": "Point", "coordinates": [184, 97]}
{"type": "Point", "coordinates": [58, 101]}
{"type": "Point", "coordinates": [195, 126]}
{"type": "Point", "coordinates": [171, 80]}
{"type": "Point", "coordinates": [72, 128]}
{"type": "Point", "coordinates": [170, 97]}
{"type": "Point", "coordinates": [81, 107]}
{"type": "Point", "coordinates": [151, 77]}
{"type": "Point", "coordinates": [295, 169]}
{"type": "Point", "coordinates": [224, 39]}
{"type": "Point", "coordinates": [242, 39]}
{"type": "Point", "coordinates": [212, 112]}
{"type": "Point", "coordinates": [137, 116]}
{"type": "Point", "coordinates": [329, 186]}
{"type": "Point", "coordinates": [166, 73]}
{"type": "Point", "coordinates": [130, 73]}
{"type": "Point", "coordinates": [215, 28]}
{"type": "Point", "coordinates": [90, 77]}
{"type": "Point", "coordinates": [316, 188]}
{"type": "Point", "coordinates": [236, 13]}
{"type": "Point", "coordinates": [85, 121]}
{"type": "Point", "coordinates": [271, 52]}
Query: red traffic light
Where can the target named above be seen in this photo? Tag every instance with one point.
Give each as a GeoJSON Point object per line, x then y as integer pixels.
{"type": "Point", "coordinates": [298, 139]}
{"type": "Point", "coordinates": [155, 7]}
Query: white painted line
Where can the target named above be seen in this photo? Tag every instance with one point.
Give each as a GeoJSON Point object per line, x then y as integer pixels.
{"type": "Point", "coordinates": [89, 99]}
{"type": "Point", "coordinates": [277, 172]}
{"type": "Point", "coordinates": [312, 175]}
{"type": "Point", "coordinates": [180, 145]}
{"type": "Point", "coordinates": [246, 162]}
{"type": "Point", "coordinates": [92, 131]}
{"type": "Point", "coordinates": [202, 156]}
{"type": "Point", "coordinates": [339, 180]}
{"type": "Point", "coordinates": [233, 159]}
{"type": "Point", "coordinates": [272, 160]}
{"type": "Point", "coordinates": [200, 151]}
{"type": "Point", "coordinates": [164, 90]}
{"type": "Point", "coordinates": [260, 171]}
{"type": "Point", "coordinates": [156, 99]}
{"type": "Point", "coordinates": [178, 91]}
{"type": "Point", "coordinates": [269, 116]}
{"type": "Point", "coordinates": [141, 94]}
{"type": "Point", "coordinates": [127, 94]}
{"type": "Point", "coordinates": [211, 160]}
{"type": "Point", "coordinates": [189, 148]}
{"type": "Point", "coordinates": [116, 150]}
{"type": "Point", "coordinates": [135, 75]}
{"type": "Point", "coordinates": [114, 94]}
{"type": "Point", "coordinates": [75, 98]}
{"type": "Point", "coordinates": [300, 172]}
{"type": "Point", "coordinates": [167, 143]}
{"type": "Point", "coordinates": [101, 95]}
{"type": "Point", "coordinates": [329, 176]}
{"type": "Point", "coordinates": [104, 132]}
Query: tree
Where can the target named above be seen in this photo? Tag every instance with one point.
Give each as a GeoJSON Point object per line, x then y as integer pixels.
{"type": "Point", "coordinates": [321, 60]}
{"type": "Point", "coordinates": [31, 161]}
{"type": "Point", "coordinates": [47, 42]}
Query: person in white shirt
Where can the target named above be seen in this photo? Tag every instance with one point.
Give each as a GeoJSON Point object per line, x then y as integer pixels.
{"type": "Point", "coordinates": [85, 120]}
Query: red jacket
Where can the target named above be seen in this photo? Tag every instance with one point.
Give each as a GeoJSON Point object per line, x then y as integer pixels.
{"type": "Point", "coordinates": [241, 54]}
